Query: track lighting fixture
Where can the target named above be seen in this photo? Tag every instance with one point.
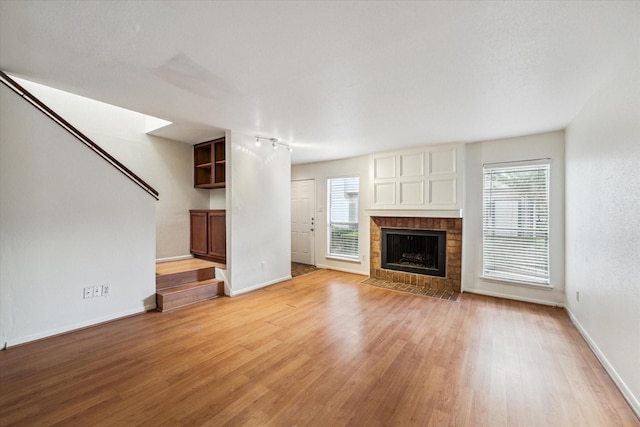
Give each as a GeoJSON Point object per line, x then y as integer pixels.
{"type": "Point", "coordinates": [275, 143]}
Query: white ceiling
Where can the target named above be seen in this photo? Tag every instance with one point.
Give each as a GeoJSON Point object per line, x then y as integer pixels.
{"type": "Point", "coordinates": [335, 79]}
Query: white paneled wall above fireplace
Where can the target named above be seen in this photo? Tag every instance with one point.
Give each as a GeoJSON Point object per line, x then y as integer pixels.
{"type": "Point", "coordinates": [425, 179]}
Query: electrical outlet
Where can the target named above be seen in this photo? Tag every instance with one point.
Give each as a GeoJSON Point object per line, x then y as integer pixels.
{"type": "Point", "coordinates": [106, 290]}
{"type": "Point", "coordinates": [97, 291]}
{"type": "Point", "coordinates": [88, 292]}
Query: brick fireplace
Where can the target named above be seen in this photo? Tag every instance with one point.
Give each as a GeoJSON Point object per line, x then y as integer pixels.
{"type": "Point", "coordinates": [453, 227]}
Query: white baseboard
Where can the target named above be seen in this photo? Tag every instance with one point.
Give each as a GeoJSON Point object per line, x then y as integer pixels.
{"type": "Point", "coordinates": [346, 270]}
{"type": "Point", "coordinates": [173, 258]}
{"type": "Point", "coordinates": [626, 392]}
{"type": "Point", "coordinates": [79, 325]}
{"type": "Point", "coordinates": [513, 297]}
{"type": "Point", "coordinates": [233, 293]}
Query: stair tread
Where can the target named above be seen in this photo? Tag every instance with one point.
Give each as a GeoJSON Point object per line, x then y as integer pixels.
{"type": "Point", "coordinates": [187, 286]}
{"type": "Point", "coordinates": [176, 273]}
{"type": "Point", "coordinates": [173, 267]}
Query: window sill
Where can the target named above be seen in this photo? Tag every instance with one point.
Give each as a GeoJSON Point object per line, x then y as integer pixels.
{"type": "Point", "coordinates": [343, 258]}
{"type": "Point", "coordinates": [517, 282]}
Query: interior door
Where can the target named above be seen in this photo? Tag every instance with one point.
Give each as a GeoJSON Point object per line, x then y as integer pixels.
{"type": "Point", "coordinates": [303, 206]}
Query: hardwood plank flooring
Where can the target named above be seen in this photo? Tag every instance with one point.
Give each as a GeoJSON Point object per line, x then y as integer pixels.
{"type": "Point", "coordinates": [185, 265]}
{"type": "Point", "coordinates": [317, 350]}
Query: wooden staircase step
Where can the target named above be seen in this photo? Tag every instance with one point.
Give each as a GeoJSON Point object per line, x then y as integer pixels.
{"type": "Point", "coordinates": [179, 296]}
{"type": "Point", "coordinates": [175, 273]}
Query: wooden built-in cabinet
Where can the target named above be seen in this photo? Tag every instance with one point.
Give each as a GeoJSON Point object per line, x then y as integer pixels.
{"type": "Point", "coordinates": [209, 234]}
{"type": "Point", "coordinates": [209, 164]}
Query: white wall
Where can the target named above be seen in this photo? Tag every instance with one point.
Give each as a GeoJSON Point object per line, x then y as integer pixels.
{"type": "Point", "coordinates": [218, 198]}
{"type": "Point", "coordinates": [320, 172]}
{"type": "Point", "coordinates": [165, 164]}
{"type": "Point", "coordinates": [546, 145]}
{"type": "Point", "coordinates": [603, 230]}
{"type": "Point", "coordinates": [68, 219]}
{"type": "Point", "coordinates": [258, 214]}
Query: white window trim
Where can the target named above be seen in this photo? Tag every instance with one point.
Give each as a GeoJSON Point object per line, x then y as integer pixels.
{"type": "Point", "coordinates": [337, 256]}
{"type": "Point", "coordinates": [354, 260]}
{"type": "Point", "coordinates": [543, 283]}
{"type": "Point", "coordinates": [517, 282]}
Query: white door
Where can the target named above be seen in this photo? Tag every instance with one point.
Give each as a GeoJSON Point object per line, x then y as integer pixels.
{"type": "Point", "coordinates": [303, 206]}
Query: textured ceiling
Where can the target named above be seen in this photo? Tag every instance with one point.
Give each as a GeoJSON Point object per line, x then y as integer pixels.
{"type": "Point", "coordinates": [335, 79]}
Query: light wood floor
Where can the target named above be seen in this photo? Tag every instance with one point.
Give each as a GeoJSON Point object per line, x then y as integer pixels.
{"type": "Point", "coordinates": [185, 265]}
{"type": "Point", "coordinates": [319, 350]}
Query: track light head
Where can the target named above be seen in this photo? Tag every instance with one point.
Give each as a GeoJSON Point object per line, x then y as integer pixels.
{"type": "Point", "coordinates": [274, 143]}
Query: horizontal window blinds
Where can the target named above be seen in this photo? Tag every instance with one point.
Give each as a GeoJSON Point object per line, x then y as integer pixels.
{"type": "Point", "coordinates": [343, 216]}
{"type": "Point", "coordinates": [516, 223]}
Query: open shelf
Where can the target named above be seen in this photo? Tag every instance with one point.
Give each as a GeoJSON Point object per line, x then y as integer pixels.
{"type": "Point", "coordinates": [209, 164]}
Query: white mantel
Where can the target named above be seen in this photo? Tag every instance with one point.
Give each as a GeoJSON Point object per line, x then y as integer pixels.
{"type": "Point", "coordinates": [422, 182]}
{"type": "Point", "coordinates": [415, 213]}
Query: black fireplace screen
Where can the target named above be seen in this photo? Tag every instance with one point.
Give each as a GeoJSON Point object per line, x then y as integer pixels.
{"type": "Point", "coordinates": [414, 251]}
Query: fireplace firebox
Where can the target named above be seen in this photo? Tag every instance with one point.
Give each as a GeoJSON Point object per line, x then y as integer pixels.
{"type": "Point", "coordinates": [414, 251]}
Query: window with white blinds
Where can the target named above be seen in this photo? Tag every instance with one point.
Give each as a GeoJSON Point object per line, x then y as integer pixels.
{"type": "Point", "coordinates": [343, 212]}
{"type": "Point", "coordinates": [515, 244]}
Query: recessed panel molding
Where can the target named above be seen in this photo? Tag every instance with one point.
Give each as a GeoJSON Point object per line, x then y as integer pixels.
{"type": "Point", "coordinates": [385, 193]}
{"type": "Point", "coordinates": [442, 162]}
{"type": "Point", "coordinates": [412, 165]}
{"type": "Point", "coordinates": [442, 191]}
{"type": "Point", "coordinates": [385, 167]}
{"type": "Point", "coordinates": [412, 193]}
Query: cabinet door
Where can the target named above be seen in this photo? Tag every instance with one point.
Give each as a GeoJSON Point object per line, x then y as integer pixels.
{"type": "Point", "coordinates": [217, 235]}
{"type": "Point", "coordinates": [199, 233]}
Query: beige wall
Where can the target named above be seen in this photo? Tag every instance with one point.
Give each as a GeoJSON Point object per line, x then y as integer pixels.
{"type": "Point", "coordinates": [321, 171]}
{"type": "Point", "coordinates": [165, 164]}
{"type": "Point", "coordinates": [546, 145]}
{"type": "Point", "coordinates": [603, 230]}
{"type": "Point", "coordinates": [68, 220]}
{"type": "Point", "coordinates": [258, 214]}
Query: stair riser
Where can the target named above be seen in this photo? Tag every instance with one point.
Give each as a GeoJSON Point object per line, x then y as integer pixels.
{"type": "Point", "coordinates": [170, 280]}
{"type": "Point", "coordinates": [190, 296]}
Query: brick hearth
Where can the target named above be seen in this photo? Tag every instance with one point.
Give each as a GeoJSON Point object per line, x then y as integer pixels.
{"type": "Point", "coordinates": [453, 226]}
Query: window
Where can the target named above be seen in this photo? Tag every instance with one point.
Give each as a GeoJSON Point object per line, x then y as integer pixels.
{"type": "Point", "coordinates": [515, 243]}
{"type": "Point", "coordinates": [343, 215]}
